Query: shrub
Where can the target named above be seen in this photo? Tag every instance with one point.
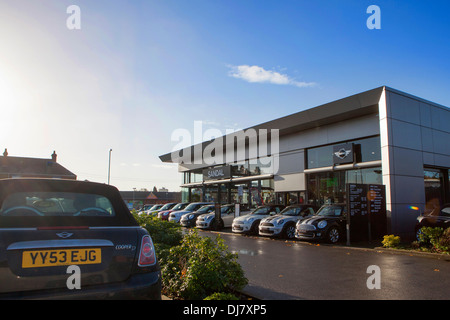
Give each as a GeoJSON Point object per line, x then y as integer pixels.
{"type": "Point", "coordinates": [437, 239]}
{"type": "Point", "coordinates": [390, 241]}
{"type": "Point", "coordinates": [430, 235]}
{"type": "Point", "coordinates": [221, 296]}
{"type": "Point", "coordinates": [199, 267]}
{"type": "Point", "coordinates": [444, 241]}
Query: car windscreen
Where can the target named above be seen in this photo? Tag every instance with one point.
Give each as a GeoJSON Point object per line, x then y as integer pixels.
{"type": "Point", "coordinates": [261, 210]}
{"type": "Point", "coordinates": [445, 212]}
{"type": "Point", "coordinates": [193, 206]}
{"type": "Point", "coordinates": [330, 211]}
{"type": "Point", "coordinates": [167, 206]}
{"type": "Point", "coordinates": [45, 203]}
{"type": "Point", "coordinates": [205, 209]}
{"type": "Point", "coordinates": [25, 204]}
{"type": "Point", "coordinates": [179, 206]}
{"type": "Point", "coordinates": [291, 211]}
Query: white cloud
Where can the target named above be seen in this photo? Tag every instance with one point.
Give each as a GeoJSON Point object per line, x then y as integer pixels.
{"type": "Point", "coordinates": [260, 75]}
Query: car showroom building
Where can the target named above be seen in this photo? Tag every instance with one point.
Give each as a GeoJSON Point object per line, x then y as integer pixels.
{"type": "Point", "coordinates": [382, 136]}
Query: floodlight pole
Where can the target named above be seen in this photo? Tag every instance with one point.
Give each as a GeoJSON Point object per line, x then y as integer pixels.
{"type": "Point", "coordinates": [109, 166]}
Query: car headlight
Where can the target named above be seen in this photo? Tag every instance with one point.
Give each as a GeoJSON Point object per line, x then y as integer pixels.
{"type": "Point", "coordinates": [322, 224]}
{"type": "Point", "coordinates": [208, 218]}
{"type": "Point", "coordinates": [190, 216]}
{"type": "Point", "coordinates": [250, 220]}
{"type": "Point", "coordinates": [281, 221]}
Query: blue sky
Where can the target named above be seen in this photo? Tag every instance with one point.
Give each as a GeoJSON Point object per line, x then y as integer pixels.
{"type": "Point", "coordinates": [138, 70]}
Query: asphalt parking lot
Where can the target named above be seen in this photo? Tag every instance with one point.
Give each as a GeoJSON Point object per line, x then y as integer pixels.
{"type": "Point", "coordinates": [297, 270]}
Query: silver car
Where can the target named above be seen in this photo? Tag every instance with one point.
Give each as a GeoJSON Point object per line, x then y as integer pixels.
{"type": "Point", "coordinates": [249, 223]}
{"type": "Point", "coordinates": [207, 220]}
{"type": "Point", "coordinates": [283, 224]}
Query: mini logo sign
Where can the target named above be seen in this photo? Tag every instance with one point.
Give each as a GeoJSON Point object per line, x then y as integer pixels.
{"type": "Point", "coordinates": [64, 235]}
{"type": "Point", "coordinates": [343, 153]}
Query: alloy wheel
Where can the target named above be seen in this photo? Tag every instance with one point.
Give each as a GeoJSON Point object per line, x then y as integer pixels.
{"type": "Point", "coordinates": [333, 235]}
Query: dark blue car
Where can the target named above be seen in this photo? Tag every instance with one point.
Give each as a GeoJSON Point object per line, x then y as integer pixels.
{"type": "Point", "coordinates": [72, 239]}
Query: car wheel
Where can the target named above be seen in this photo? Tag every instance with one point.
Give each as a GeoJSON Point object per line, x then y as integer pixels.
{"type": "Point", "coordinates": [217, 225]}
{"type": "Point", "coordinates": [333, 235]}
{"type": "Point", "coordinates": [254, 228]}
{"type": "Point", "coordinates": [289, 231]}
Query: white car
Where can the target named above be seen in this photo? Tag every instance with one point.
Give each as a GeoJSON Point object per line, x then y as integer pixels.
{"type": "Point", "coordinates": [207, 220]}
{"type": "Point", "coordinates": [250, 223]}
{"type": "Point", "coordinates": [283, 224]}
{"type": "Point", "coordinates": [175, 216]}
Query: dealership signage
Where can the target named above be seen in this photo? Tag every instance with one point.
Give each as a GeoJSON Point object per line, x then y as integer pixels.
{"type": "Point", "coordinates": [366, 211]}
{"type": "Point", "coordinates": [343, 153]}
{"type": "Point", "coordinates": [217, 173]}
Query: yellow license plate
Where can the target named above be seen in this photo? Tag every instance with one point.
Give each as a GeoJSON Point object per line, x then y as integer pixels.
{"type": "Point", "coordinates": [61, 257]}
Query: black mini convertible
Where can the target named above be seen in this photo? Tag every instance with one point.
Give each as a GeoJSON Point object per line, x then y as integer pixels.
{"type": "Point", "coordinates": [67, 239]}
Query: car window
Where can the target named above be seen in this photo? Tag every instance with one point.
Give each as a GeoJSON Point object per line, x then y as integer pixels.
{"type": "Point", "coordinates": [445, 212]}
{"type": "Point", "coordinates": [56, 204]}
{"type": "Point", "coordinates": [227, 209]}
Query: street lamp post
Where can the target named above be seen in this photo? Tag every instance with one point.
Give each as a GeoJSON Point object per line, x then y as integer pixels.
{"type": "Point", "coordinates": [109, 165]}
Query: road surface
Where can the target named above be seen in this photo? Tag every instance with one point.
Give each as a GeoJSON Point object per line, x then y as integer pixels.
{"type": "Point", "coordinates": [293, 270]}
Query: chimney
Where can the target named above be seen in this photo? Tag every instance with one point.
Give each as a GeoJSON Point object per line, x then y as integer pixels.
{"type": "Point", "coordinates": [54, 156]}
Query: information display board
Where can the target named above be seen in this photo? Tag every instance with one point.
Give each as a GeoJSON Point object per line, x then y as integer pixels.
{"type": "Point", "coordinates": [366, 211]}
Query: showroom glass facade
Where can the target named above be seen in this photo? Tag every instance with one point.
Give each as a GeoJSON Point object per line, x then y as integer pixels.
{"type": "Point", "coordinates": [329, 186]}
{"type": "Point", "coordinates": [437, 187]}
{"type": "Point", "coordinates": [366, 149]}
{"type": "Point", "coordinates": [250, 183]}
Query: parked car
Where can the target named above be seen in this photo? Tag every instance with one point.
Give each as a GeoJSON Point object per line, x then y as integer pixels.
{"type": "Point", "coordinates": [49, 225]}
{"type": "Point", "coordinates": [147, 211]}
{"type": "Point", "coordinates": [164, 214]}
{"type": "Point", "coordinates": [249, 223]}
{"type": "Point", "coordinates": [436, 218]}
{"type": "Point", "coordinates": [143, 209]}
{"type": "Point", "coordinates": [189, 219]}
{"type": "Point", "coordinates": [283, 224]}
{"type": "Point", "coordinates": [175, 215]}
{"type": "Point", "coordinates": [154, 210]}
{"type": "Point", "coordinates": [328, 224]}
{"type": "Point", "coordinates": [207, 220]}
